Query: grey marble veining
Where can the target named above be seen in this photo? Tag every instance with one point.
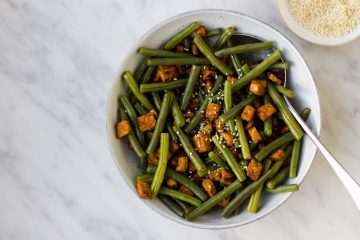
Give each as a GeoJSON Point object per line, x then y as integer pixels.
{"type": "Point", "coordinates": [57, 179]}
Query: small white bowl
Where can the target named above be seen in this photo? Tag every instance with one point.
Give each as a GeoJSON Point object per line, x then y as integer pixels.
{"type": "Point", "coordinates": [300, 80]}
{"type": "Point", "coordinates": [303, 33]}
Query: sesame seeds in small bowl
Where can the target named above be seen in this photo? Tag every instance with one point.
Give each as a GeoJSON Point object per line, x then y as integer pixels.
{"type": "Point", "coordinates": [322, 22]}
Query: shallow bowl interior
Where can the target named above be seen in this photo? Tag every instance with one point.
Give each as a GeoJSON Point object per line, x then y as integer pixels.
{"type": "Point", "coordinates": [309, 36]}
{"type": "Point", "coordinates": [300, 80]}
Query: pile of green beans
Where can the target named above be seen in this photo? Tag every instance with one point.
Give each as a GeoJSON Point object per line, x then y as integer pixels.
{"type": "Point", "coordinates": [199, 143]}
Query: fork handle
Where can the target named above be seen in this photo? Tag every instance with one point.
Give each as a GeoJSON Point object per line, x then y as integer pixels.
{"type": "Point", "coordinates": [350, 184]}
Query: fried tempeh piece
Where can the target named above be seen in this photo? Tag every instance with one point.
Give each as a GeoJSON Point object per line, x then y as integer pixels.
{"type": "Point", "coordinates": [254, 134]}
{"type": "Point", "coordinates": [185, 190]}
{"type": "Point", "coordinates": [227, 176]}
{"type": "Point", "coordinates": [146, 122]}
{"type": "Point", "coordinates": [258, 87]}
{"type": "Point", "coordinates": [273, 78]}
{"type": "Point", "coordinates": [215, 175]}
{"type": "Point", "coordinates": [209, 187]}
{"type": "Point", "coordinates": [152, 159]}
{"type": "Point", "coordinates": [167, 73]}
{"type": "Point", "coordinates": [212, 111]}
{"type": "Point", "coordinates": [228, 138]}
{"type": "Point", "coordinates": [174, 146]}
{"type": "Point", "coordinates": [143, 189]}
{"type": "Point", "coordinates": [266, 111]}
{"type": "Point", "coordinates": [248, 113]}
{"type": "Point", "coordinates": [277, 154]}
{"type": "Point", "coordinates": [208, 73]}
{"type": "Point", "coordinates": [254, 169]}
{"type": "Point", "coordinates": [201, 31]}
{"type": "Point", "coordinates": [202, 142]}
{"type": "Point", "coordinates": [123, 128]}
{"type": "Point", "coordinates": [172, 183]}
{"type": "Point", "coordinates": [182, 164]}
{"type": "Point", "coordinates": [231, 79]}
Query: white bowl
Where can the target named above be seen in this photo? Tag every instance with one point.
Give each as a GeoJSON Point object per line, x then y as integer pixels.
{"type": "Point", "coordinates": [300, 80]}
{"type": "Point", "coordinates": [309, 36]}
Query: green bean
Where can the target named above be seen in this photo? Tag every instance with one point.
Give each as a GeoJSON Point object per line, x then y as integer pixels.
{"type": "Point", "coordinates": [187, 43]}
{"type": "Point", "coordinates": [212, 168]}
{"type": "Point", "coordinates": [259, 69]}
{"type": "Point", "coordinates": [217, 159]}
{"type": "Point", "coordinates": [171, 132]}
{"type": "Point", "coordinates": [133, 139]}
{"type": "Point", "coordinates": [245, 68]}
{"type": "Point", "coordinates": [161, 86]}
{"type": "Point", "coordinates": [190, 85]}
{"type": "Point", "coordinates": [181, 196]}
{"type": "Point", "coordinates": [284, 188]}
{"type": "Point", "coordinates": [253, 145]}
{"type": "Point", "coordinates": [140, 109]}
{"type": "Point", "coordinates": [161, 53]}
{"type": "Point", "coordinates": [201, 97]}
{"type": "Point", "coordinates": [187, 183]}
{"type": "Point", "coordinates": [160, 123]}
{"type": "Point", "coordinates": [235, 61]}
{"type": "Point", "coordinates": [294, 159]}
{"type": "Point", "coordinates": [277, 66]}
{"type": "Point", "coordinates": [210, 96]}
{"type": "Point", "coordinates": [148, 74]}
{"type": "Point", "coordinates": [214, 32]}
{"type": "Point", "coordinates": [244, 163]}
{"type": "Point", "coordinates": [184, 205]}
{"type": "Point", "coordinates": [268, 122]}
{"type": "Point", "coordinates": [209, 161]}
{"type": "Point", "coordinates": [235, 110]}
{"type": "Point", "coordinates": [175, 40]}
{"type": "Point", "coordinates": [140, 70]}
{"type": "Point", "coordinates": [228, 104]}
{"type": "Point", "coordinates": [280, 65]}
{"type": "Point", "coordinates": [136, 91]}
{"type": "Point", "coordinates": [245, 150]}
{"type": "Point", "coordinates": [230, 159]}
{"type": "Point", "coordinates": [177, 114]}
{"type": "Point", "coordinates": [133, 119]}
{"type": "Point", "coordinates": [145, 178]}
{"type": "Point", "coordinates": [255, 197]}
{"type": "Point", "coordinates": [263, 153]}
{"type": "Point", "coordinates": [296, 149]}
{"type": "Point", "coordinates": [284, 111]}
{"type": "Point", "coordinates": [190, 151]}
{"type": "Point", "coordinates": [213, 201]}
{"type": "Point", "coordinates": [285, 91]}
{"type": "Point", "coordinates": [278, 178]}
{"type": "Point", "coordinates": [151, 169]}
{"type": "Point", "coordinates": [178, 61]}
{"type": "Point", "coordinates": [239, 208]}
{"type": "Point", "coordinates": [244, 48]}
{"type": "Point", "coordinates": [204, 48]}
{"type": "Point", "coordinates": [305, 113]}
{"type": "Point", "coordinates": [174, 206]}
{"type": "Point", "coordinates": [243, 195]}
{"type": "Point", "coordinates": [224, 37]}
{"type": "Point", "coordinates": [132, 99]}
{"type": "Point", "coordinates": [217, 85]}
{"type": "Point", "coordinates": [156, 99]}
{"type": "Point", "coordinates": [161, 167]}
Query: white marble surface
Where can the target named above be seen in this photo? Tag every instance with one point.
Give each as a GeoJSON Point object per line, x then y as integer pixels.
{"type": "Point", "coordinates": [58, 60]}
